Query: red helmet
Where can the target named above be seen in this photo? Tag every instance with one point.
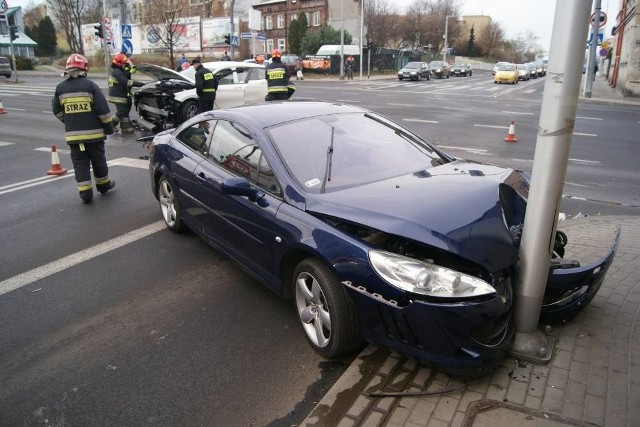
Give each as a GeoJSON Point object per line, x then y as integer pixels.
{"type": "Point", "coordinates": [120, 59]}
{"type": "Point", "coordinates": [276, 53]}
{"type": "Point", "coordinates": [77, 62]}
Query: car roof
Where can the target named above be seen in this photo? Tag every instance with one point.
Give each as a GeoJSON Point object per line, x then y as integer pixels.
{"type": "Point", "coordinates": [273, 113]}
{"type": "Point", "coordinates": [163, 73]}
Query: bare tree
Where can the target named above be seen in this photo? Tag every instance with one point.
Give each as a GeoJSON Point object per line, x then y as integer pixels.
{"type": "Point", "coordinates": [164, 19]}
{"type": "Point", "coordinates": [427, 19]}
{"type": "Point", "coordinates": [382, 22]}
{"type": "Point", "coordinates": [68, 14]}
{"type": "Point", "coordinates": [491, 40]}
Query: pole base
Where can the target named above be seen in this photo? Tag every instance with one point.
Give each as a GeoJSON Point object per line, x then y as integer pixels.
{"type": "Point", "coordinates": [535, 347]}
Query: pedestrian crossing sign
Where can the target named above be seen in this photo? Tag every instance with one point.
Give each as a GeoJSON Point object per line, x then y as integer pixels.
{"type": "Point", "coordinates": [126, 31]}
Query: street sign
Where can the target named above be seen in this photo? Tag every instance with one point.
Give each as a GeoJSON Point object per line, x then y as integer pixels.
{"type": "Point", "coordinates": [261, 36]}
{"type": "Point", "coordinates": [603, 52]}
{"type": "Point", "coordinates": [600, 38]}
{"type": "Point", "coordinates": [603, 19]}
{"type": "Point", "coordinates": [127, 47]}
{"type": "Point", "coordinates": [234, 40]}
{"type": "Point", "coordinates": [246, 35]}
{"type": "Point", "coordinates": [4, 6]}
{"type": "Point", "coordinates": [126, 31]}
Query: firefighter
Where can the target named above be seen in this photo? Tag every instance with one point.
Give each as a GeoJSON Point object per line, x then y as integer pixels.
{"type": "Point", "coordinates": [278, 76]}
{"type": "Point", "coordinates": [120, 84]}
{"type": "Point", "coordinates": [206, 85]}
{"type": "Point", "coordinates": [79, 103]}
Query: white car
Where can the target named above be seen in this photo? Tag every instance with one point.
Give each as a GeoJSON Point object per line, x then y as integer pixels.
{"type": "Point", "coordinates": [171, 97]}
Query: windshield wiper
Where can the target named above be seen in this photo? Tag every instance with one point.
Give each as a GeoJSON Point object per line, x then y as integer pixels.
{"type": "Point", "coordinates": [327, 171]}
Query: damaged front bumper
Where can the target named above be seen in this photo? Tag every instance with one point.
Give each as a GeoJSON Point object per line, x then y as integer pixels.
{"type": "Point", "coordinates": [571, 287]}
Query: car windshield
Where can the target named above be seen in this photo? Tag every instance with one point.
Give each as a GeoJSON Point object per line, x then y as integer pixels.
{"type": "Point", "coordinates": [350, 149]}
{"type": "Point", "coordinates": [435, 64]}
{"type": "Point", "coordinates": [506, 67]}
{"type": "Point", "coordinates": [413, 65]}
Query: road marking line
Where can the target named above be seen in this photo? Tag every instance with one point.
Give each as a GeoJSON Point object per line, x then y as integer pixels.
{"type": "Point", "coordinates": [490, 126]}
{"type": "Point", "coordinates": [592, 162]}
{"type": "Point", "coordinates": [123, 161]}
{"type": "Point", "coordinates": [516, 112]}
{"type": "Point", "coordinates": [590, 118]}
{"type": "Point", "coordinates": [457, 108]}
{"type": "Point", "coordinates": [402, 105]}
{"type": "Point", "coordinates": [420, 121]}
{"type": "Point", "coordinates": [348, 101]}
{"type": "Point", "coordinates": [2, 143]}
{"type": "Point", "coordinates": [522, 160]}
{"type": "Point", "coordinates": [584, 134]}
{"type": "Point", "coordinates": [529, 90]}
{"type": "Point", "coordinates": [72, 260]}
{"type": "Point", "coordinates": [471, 150]}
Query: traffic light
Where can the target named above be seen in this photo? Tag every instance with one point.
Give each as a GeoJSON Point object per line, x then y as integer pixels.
{"type": "Point", "coordinates": [227, 38]}
{"type": "Point", "coordinates": [99, 31]}
{"type": "Point", "coordinates": [13, 31]}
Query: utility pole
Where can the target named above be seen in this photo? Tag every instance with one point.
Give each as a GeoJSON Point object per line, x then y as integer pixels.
{"type": "Point", "coordinates": [591, 65]}
{"type": "Point", "coordinates": [446, 36]}
{"type": "Point", "coordinates": [231, 29]}
{"type": "Point", "coordinates": [342, 40]}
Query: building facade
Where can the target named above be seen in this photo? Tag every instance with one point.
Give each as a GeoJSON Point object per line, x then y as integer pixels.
{"type": "Point", "coordinates": [625, 58]}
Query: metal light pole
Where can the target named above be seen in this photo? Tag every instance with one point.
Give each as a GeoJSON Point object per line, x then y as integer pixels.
{"type": "Point", "coordinates": [231, 49]}
{"type": "Point", "coordinates": [361, 36]}
{"type": "Point", "coordinates": [446, 35]}
{"type": "Point", "coordinates": [591, 65]}
{"type": "Point", "coordinates": [342, 40]}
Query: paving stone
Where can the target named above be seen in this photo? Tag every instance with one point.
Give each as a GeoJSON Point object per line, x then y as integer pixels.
{"type": "Point", "coordinates": [373, 419]}
{"type": "Point", "coordinates": [581, 354]}
{"type": "Point", "coordinates": [398, 417]}
{"type": "Point", "coordinates": [458, 419]}
{"type": "Point", "coordinates": [347, 422]}
{"type": "Point", "coordinates": [597, 385]}
{"type": "Point", "coordinates": [437, 423]}
{"type": "Point", "coordinates": [553, 399]}
{"type": "Point", "coordinates": [359, 406]}
{"type": "Point", "coordinates": [558, 378]}
{"type": "Point", "coordinates": [446, 408]}
{"type": "Point", "coordinates": [594, 409]}
{"type": "Point", "coordinates": [422, 411]}
{"type": "Point", "coordinates": [467, 398]}
{"type": "Point", "coordinates": [572, 410]}
{"type": "Point", "coordinates": [579, 372]}
{"type": "Point", "coordinates": [517, 392]}
{"type": "Point", "coordinates": [562, 359]}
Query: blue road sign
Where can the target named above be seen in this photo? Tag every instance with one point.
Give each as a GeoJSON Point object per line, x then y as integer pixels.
{"type": "Point", "coordinates": [261, 36]}
{"type": "Point", "coordinates": [126, 31]}
{"type": "Point", "coordinates": [234, 40]}
{"type": "Point", "coordinates": [127, 47]}
{"type": "Point", "coordinates": [600, 38]}
{"type": "Point", "coordinates": [246, 35]}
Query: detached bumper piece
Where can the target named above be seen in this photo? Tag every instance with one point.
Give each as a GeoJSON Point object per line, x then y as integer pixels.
{"type": "Point", "coordinates": [570, 287]}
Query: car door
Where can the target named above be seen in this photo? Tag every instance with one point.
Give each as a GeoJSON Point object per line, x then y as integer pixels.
{"type": "Point", "coordinates": [246, 230]}
{"type": "Point", "coordinates": [231, 86]}
{"type": "Point", "coordinates": [256, 88]}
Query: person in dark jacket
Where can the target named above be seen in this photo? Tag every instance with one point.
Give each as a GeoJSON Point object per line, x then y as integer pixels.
{"type": "Point", "coordinates": [278, 76]}
{"type": "Point", "coordinates": [120, 84]}
{"type": "Point", "coordinates": [79, 103]}
{"type": "Point", "coordinates": [206, 86]}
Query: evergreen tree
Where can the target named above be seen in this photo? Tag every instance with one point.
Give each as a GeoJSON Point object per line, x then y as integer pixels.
{"type": "Point", "coordinates": [294, 37]}
{"type": "Point", "coordinates": [47, 39]}
{"type": "Point", "coordinates": [302, 32]}
{"type": "Point", "coordinates": [471, 48]}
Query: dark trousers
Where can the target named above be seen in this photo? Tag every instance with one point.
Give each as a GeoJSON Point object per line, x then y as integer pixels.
{"type": "Point", "coordinates": [277, 96]}
{"type": "Point", "coordinates": [205, 105]}
{"type": "Point", "coordinates": [87, 156]}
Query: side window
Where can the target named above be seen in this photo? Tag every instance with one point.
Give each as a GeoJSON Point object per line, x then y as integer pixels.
{"type": "Point", "coordinates": [233, 148]}
{"type": "Point", "coordinates": [197, 136]}
{"type": "Point", "coordinates": [225, 77]}
{"type": "Point", "coordinates": [257, 74]}
{"type": "Point", "coordinates": [243, 75]}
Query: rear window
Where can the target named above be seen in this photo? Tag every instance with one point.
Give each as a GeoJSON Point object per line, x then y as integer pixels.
{"type": "Point", "coordinates": [4, 60]}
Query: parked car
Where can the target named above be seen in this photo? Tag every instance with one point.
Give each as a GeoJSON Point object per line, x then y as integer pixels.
{"type": "Point", "coordinates": [523, 72]}
{"type": "Point", "coordinates": [462, 69]}
{"type": "Point", "coordinates": [495, 67]}
{"type": "Point", "coordinates": [415, 71]}
{"type": "Point", "coordinates": [373, 232]}
{"type": "Point", "coordinates": [507, 73]}
{"type": "Point", "coordinates": [533, 70]}
{"type": "Point", "coordinates": [541, 68]}
{"type": "Point", "coordinates": [440, 69]}
{"type": "Point", "coordinates": [290, 62]}
{"type": "Point", "coordinates": [171, 97]}
{"type": "Point", "coordinates": [5, 67]}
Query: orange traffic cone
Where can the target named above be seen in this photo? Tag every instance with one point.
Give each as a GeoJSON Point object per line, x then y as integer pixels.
{"type": "Point", "coordinates": [511, 137]}
{"type": "Point", "coordinates": [2, 110]}
{"type": "Point", "coordinates": [56, 167]}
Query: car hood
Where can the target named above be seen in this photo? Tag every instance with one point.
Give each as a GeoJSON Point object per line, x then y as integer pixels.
{"type": "Point", "coordinates": [161, 73]}
{"type": "Point", "coordinates": [408, 70]}
{"type": "Point", "coordinates": [462, 207]}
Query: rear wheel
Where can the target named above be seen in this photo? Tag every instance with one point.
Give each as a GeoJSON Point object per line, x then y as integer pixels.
{"type": "Point", "coordinates": [169, 205]}
{"type": "Point", "coordinates": [324, 309]}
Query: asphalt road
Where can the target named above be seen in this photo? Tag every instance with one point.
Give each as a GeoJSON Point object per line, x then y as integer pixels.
{"type": "Point", "coordinates": [107, 318]}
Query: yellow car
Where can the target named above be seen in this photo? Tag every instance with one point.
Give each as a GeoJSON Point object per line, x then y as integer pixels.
{"type": "Point", "coordinates": [506, 73]}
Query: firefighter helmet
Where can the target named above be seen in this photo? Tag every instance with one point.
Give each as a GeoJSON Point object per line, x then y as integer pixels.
{"type": "Point", "coordinates": [120, 59]}
{"type": "Point", "coordinates": [276, 53]}
{"type": "Point", "coordinates": [75, 61]}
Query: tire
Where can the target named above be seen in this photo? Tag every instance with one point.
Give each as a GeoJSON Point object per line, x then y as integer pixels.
{"type": "Point", "coordinates": [188, 109]}
{"type": "Point", "coordinates": [170, 206]}
{"type": "Point", "coordinates": [448, 75]}
{"type": "Point", "coordinates": [399, 78]}
{"type": "Point", "coordinates": [428, 77]}
{"type": "Point", "coordinates": [419, 78]}
{"type": "Point", "coordinates": [324, 309]}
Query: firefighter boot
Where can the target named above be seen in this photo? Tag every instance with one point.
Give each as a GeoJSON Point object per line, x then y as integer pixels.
{"type": "Point", "coordinates": [86, 196]}
{"type": "Point", "coordinates": [125, 126]}
{"type": "Point", "coordinates": [104, 188]}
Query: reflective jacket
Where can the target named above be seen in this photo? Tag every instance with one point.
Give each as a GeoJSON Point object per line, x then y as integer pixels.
{"type": "Point", "coordinates": [206, 84]}
{"type": "Point", "coordinates": [79, 103]}
{"type": "Point", "coordinates": [278, 76]}
{"type": "Point", "coordinates": [120, 84]}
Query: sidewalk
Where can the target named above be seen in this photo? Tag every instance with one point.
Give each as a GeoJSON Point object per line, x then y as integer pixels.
{"type": "Point", "coordinates": [593, 377]}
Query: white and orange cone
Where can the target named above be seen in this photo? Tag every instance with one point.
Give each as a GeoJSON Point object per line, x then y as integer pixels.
{"type": "Point", "coordinates": [2, 110]}
{"type": "Point", "coordinates": [56, 167]}
{"type": "Point", "coordinates": [511, 136]}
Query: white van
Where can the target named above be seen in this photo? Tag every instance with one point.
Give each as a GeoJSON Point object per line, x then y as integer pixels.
{"type": "Point", "coordinates": [334, 49]}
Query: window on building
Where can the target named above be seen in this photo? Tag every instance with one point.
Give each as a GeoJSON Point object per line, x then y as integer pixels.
{"type": "Point", "coordinates": [280, 21]}
{"type": "Point", "coordinates": [282, 45]}
{"type": "Point", "coordinates": [308, 15]}
{"type": "Point", "coordinates": [294, 16]}
{"type": "Point", "coordinates": [269, 45]}
{"type": "Point", "coordinates": [316, 19]}
{"type": "Point", "coordinates": [269, 22]}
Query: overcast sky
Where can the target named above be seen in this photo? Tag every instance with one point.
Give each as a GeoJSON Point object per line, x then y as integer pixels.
{"type": "Point", "coordinates": [515, 16]}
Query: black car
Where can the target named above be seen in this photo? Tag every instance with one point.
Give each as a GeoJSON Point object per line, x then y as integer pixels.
{"type": "Point", "coordinates": [463, 69]}
{"type": "Point", "coordinates": [415, 71]}
{"type": "Point", "coordinates": [374, 233]}
{"type": "Point", "coordinates": [440, 69]}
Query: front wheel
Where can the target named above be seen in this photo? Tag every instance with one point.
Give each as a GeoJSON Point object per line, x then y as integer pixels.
{"type": "Point", "coordinates": [188, 109]}
{"type": "Point", "coordinates": [169, 205]}
{"type": "Point", "coordinates": [324, 309]}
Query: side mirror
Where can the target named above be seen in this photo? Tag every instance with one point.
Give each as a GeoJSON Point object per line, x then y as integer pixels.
{"type": "Point", "coordinates": [241, 187]}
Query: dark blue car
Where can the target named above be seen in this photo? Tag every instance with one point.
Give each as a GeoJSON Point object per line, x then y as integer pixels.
{"type": "Point", "coordinates": [374, 233]}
